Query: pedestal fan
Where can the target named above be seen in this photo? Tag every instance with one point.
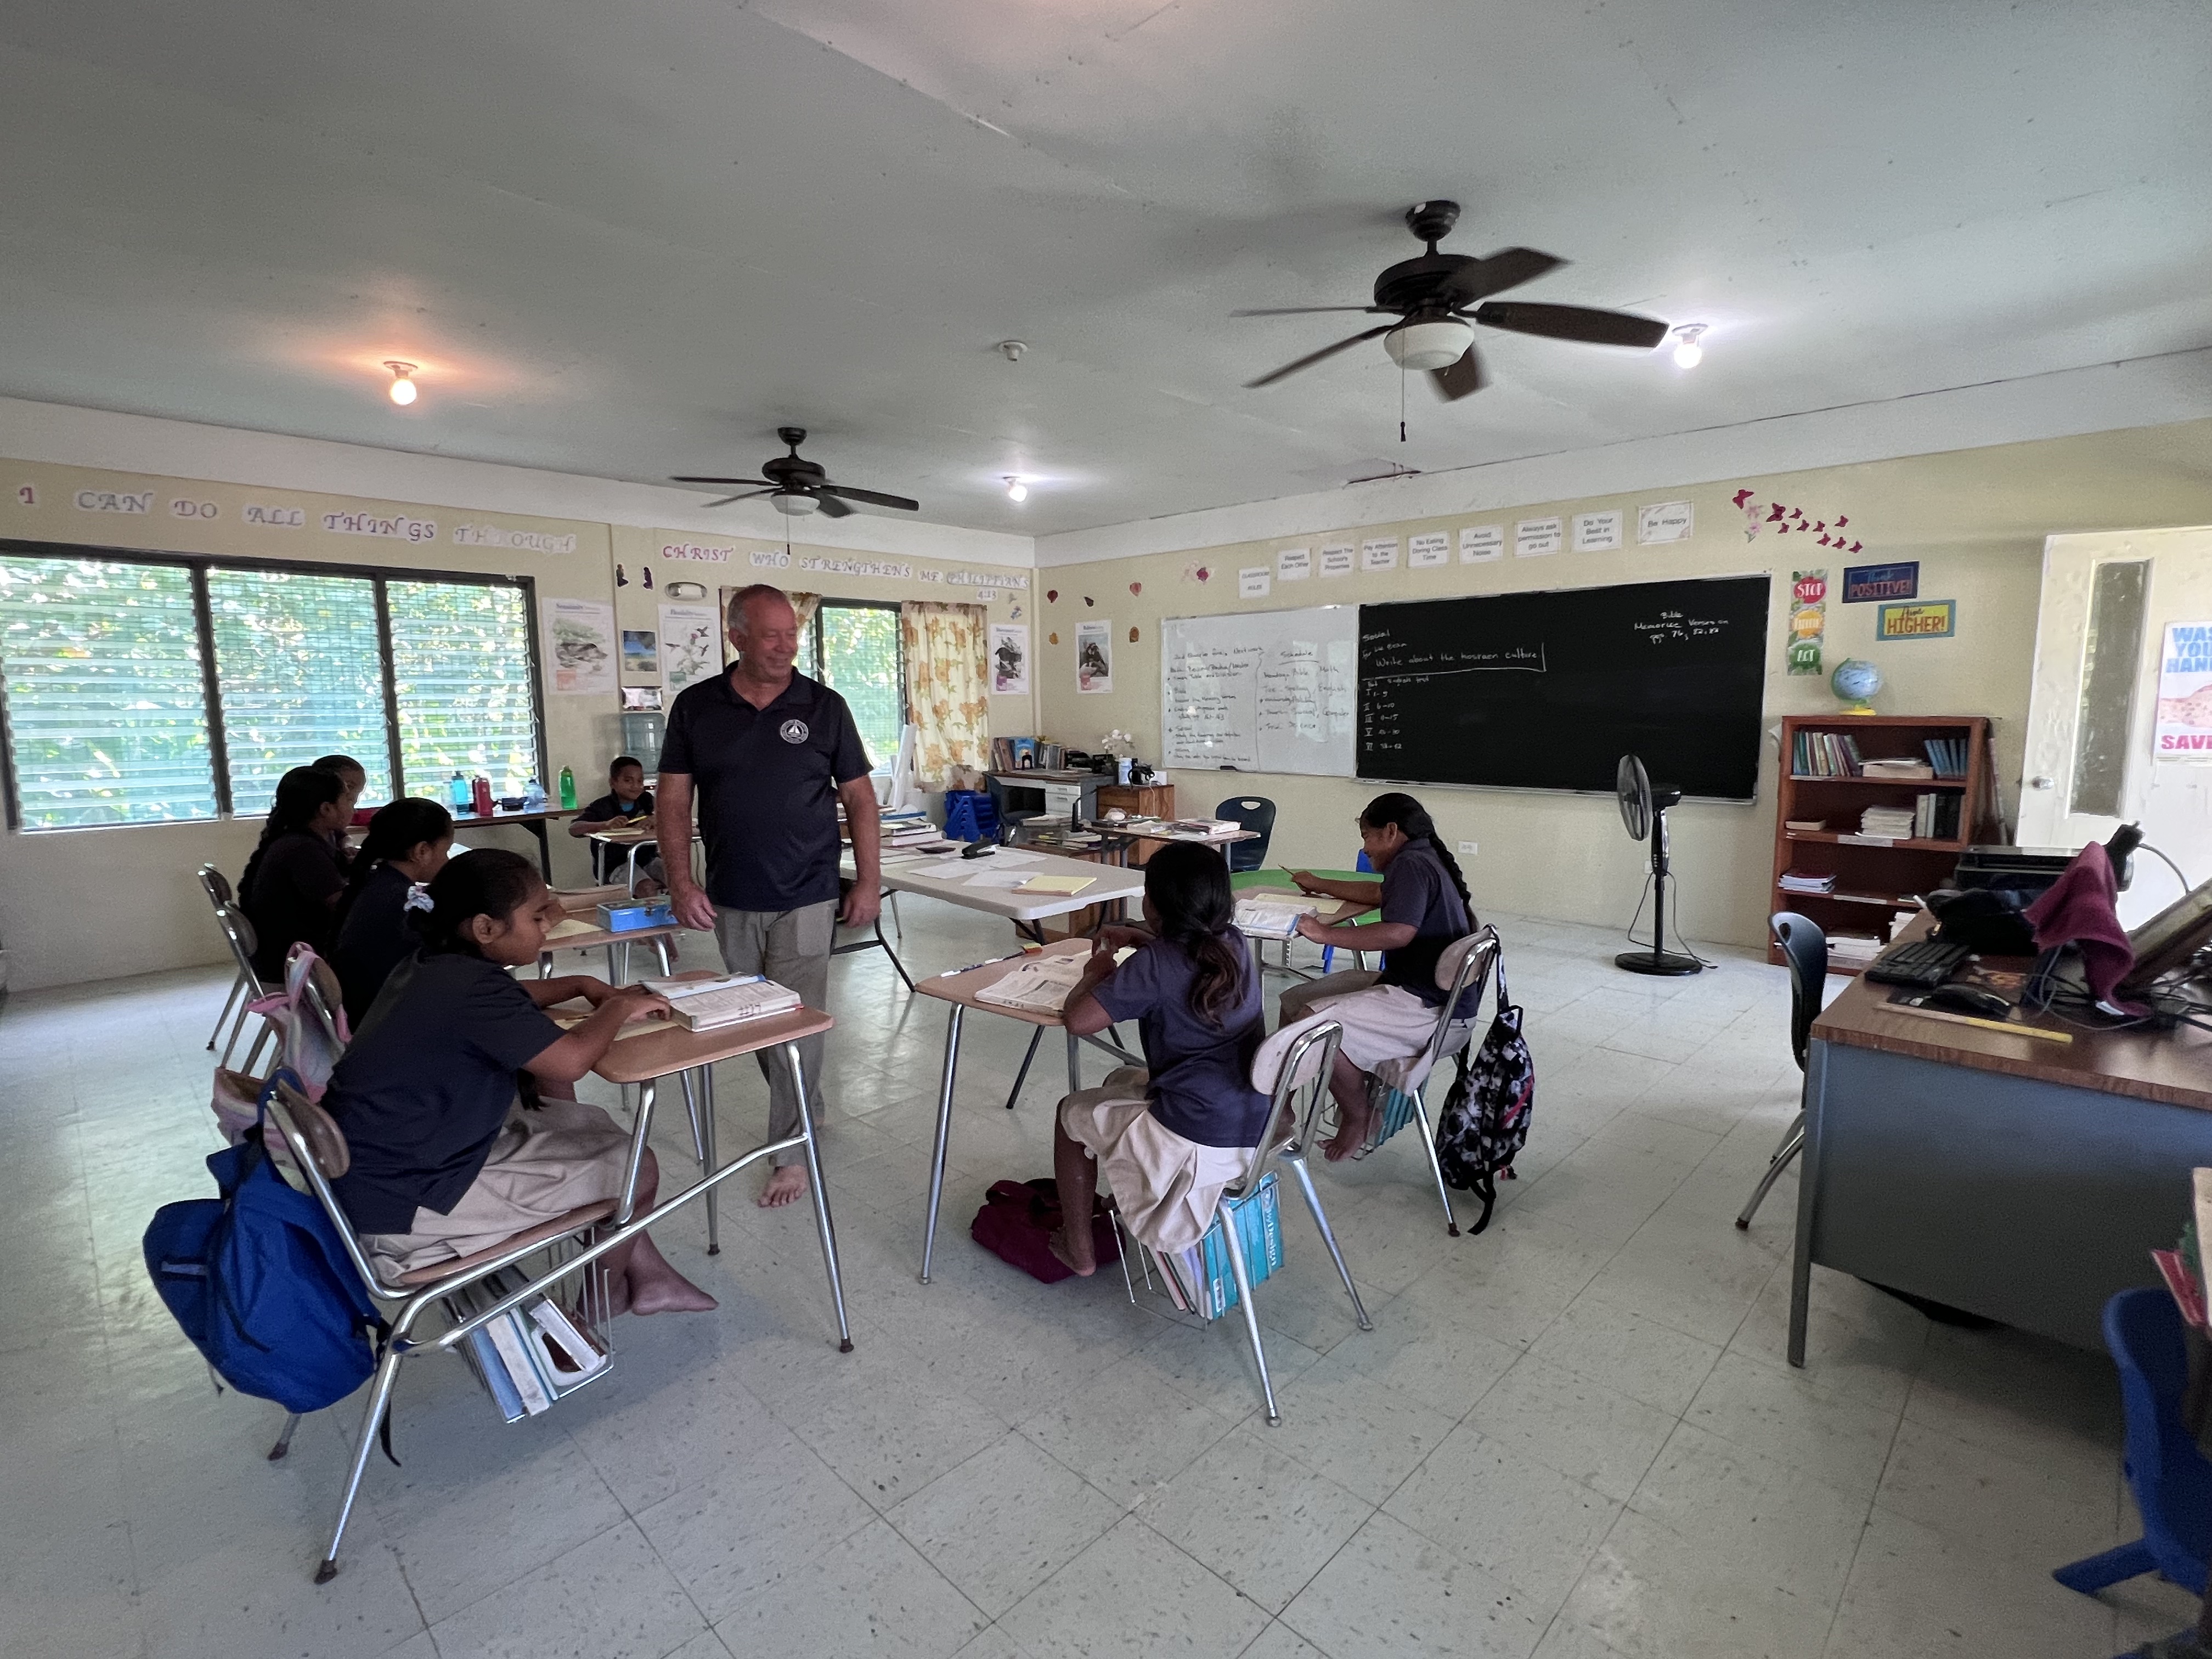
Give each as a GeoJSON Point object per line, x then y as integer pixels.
{"type": "Point", "coordinates": [1643, 810]}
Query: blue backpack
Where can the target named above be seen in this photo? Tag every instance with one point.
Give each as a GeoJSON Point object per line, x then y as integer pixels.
{"type": "Point", "coordinates": [261, 1282]}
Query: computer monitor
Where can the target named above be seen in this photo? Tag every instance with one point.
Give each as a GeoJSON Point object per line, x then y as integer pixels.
{"type": "Point", "coordinates": [2169, 939]}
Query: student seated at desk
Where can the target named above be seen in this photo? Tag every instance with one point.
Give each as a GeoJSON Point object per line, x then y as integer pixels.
{"type": "Point", "coordinates": [408, 843]}
{"type": "Point", "coordinates": [290, 888]}
{"type": "Point", "coordinates": [1392, 1014]}
{"type": "Point", "coordinates": [1170, 1135]}
{"type": "Point", "coordinates": [355, 777]}
{"type": "Point", "coordinates": [627, 805]}
{"type": "Point", "coordinates": [457, 1100]}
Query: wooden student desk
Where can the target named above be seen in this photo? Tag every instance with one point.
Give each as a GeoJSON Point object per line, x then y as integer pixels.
{"type": "Point", "coordinates": [601, 938]}
{"type": "Point", "coordinates": [2021, 1180]}
{"type": "Point", "coordinates": [960, 988]}
{"type": "Point", "coordinates": [674, 1050]}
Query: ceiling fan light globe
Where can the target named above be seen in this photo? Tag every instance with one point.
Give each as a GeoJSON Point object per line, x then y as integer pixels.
{"type": "Point", "coordinates": [794, 503]}
{"type": "Point", "coordinates": [1437, 342]}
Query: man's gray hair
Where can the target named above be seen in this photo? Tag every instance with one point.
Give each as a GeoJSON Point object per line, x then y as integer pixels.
{"type": "Point", "coordinates": [746, 596]}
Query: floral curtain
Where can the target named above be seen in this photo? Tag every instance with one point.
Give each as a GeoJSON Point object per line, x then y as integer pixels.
{"type": "Point", "coordinates": [947, 680]}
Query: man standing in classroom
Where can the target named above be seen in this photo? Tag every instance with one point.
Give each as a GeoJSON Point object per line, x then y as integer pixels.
{"type": "Point", "coordinates": [768, 753]}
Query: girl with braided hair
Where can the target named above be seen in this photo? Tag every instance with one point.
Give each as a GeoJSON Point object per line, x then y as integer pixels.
{"type": "Point", "coordinates": [1172, 1134]}
{"type": "Point", "coordinates": [1388, 1015]}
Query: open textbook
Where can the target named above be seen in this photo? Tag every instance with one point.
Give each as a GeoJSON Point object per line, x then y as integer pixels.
{"type": "Point", "coordinates": [1039, 986]}
{"type": "Point", "coordinates": [1272, 918]}
{"type": "Point", "coordinates": [705, 1004]}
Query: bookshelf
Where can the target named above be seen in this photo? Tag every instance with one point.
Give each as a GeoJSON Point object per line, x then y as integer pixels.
{"type": "Point", "coordinates": [1875, 878]}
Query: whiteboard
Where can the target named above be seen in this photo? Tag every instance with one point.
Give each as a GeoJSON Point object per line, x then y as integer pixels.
{"type": "Point", "coordinates": [1261, 691]}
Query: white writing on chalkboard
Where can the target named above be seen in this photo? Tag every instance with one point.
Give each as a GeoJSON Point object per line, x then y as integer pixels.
{"type": "Point", "coordinates": [1672, 627]}
{"type": "Point", "coordinates": [1388, 660]}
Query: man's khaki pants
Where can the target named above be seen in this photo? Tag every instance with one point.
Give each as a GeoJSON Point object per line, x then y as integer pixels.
{"type": "Point", "coordinates": [791, 947]}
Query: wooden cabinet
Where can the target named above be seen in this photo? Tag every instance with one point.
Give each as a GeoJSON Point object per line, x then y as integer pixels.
{"type": "Point", "coordinates": [1148, 800]}
{"type": "Point", "coordinates": [1875, 877]}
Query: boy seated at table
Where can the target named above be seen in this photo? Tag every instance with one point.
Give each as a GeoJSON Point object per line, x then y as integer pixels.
{"type": "Point", "coordinates": [628, 804]}
{"type": "Point", "coordinates": [1172, 1134]}
{"type": "Point", "coordinates": [1392, 1014]}
{"type": "Point", "coordinates": [457, 1096]}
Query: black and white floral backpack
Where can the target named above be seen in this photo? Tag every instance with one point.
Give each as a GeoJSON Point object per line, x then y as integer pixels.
{"type": "Point", "coordinates": [1485, 1121]}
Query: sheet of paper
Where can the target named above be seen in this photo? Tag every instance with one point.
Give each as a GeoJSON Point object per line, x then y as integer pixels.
{"type": "Point", "coordinates": [1006, 880]}
{"type": "Point", "coordinates": [1070, 884]}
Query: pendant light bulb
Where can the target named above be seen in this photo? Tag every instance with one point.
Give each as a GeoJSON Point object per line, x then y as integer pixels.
{"type": "Point", "coordinates": [403, 382]}
{"type": "Point", "coordinates": [1017, 491]}
{"type": "Point", "coordinates": [1688, 353]}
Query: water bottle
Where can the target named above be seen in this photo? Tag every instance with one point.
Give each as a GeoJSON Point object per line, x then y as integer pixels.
{"type": "Point", "coordinates": [480, 794]}
{"type": "Point", "coordinates": [568, 790]}
{"type": "Point", "coordinates": [459, 790]}
{"type": "Point", "coordinates": [533, 799]}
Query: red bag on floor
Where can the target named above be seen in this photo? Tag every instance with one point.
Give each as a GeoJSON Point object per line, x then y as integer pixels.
{"type": "Point", "coordinates": [1019, 1216]}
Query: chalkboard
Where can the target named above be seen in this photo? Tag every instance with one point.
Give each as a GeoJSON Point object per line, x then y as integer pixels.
{"type": "Point", "coordinates": [1548, 690]}
{"type": "Point", "coordinates": [1263, 691]}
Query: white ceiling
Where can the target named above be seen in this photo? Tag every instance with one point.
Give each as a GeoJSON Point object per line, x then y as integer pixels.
{"type": "Point", "coordinates": [630, 239]}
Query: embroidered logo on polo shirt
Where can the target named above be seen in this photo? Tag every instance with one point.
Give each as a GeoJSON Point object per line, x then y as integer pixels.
{"type": "Point", "coordinates": [793, 731]}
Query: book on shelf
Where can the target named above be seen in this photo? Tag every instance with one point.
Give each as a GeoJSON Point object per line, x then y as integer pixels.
{"type": "Point", "coordinates": [1804, 881]}
{"type": "Point", "coordinates": [1899, 770]}
{"type": "Point", "coordinates": [1947, 755]}
{"type": "Point", "coordinates": [1826, 755]}
{"type": "Point", "coordinates": [1890, 822]}
{"type": "Point", "coordinates": [1936, 817]}
{"type": "Point", "coordinates": [1805, 825]}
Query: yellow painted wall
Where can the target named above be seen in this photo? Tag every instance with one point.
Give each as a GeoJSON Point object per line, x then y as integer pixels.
{"type": "Point", "coordinates": [1974, 519]}
{"type": "Point", "coordinates": [90, 904]}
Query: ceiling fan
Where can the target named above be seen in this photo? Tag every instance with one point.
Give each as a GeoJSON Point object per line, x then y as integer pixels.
{"type": "Point", "coordinates": [1430, 298]}
{"type": "Point", "coordinates": [799, 487]}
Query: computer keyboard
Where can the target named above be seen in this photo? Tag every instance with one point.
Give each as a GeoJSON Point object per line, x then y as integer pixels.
{"type": "Point", "coordinates": [1923, 962]}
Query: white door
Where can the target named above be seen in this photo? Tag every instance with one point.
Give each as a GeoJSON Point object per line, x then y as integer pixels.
{"type": "Point", "coordinates": [2092, 724]}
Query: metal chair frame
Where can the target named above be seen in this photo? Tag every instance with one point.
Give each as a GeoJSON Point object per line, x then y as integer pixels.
{"type": "Point", "coordinates": [1305, 1066]}
{"type": "Point", "coordinates": [238, 929]}
{"type": "Point", "coordinates": [1476, 952]}
{"type": "Point", "coordinates": [247, 985]}
{"type": "Point", "coordinates": [1787, 926]}
{"type": "Point", "coordinates": [593, 1238]}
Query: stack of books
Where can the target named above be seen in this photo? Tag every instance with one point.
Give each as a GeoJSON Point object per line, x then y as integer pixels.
{"type": "Point", "coordinates": [1199, 1279]}
{"type": "Point", "coordinates": [1027, 754]}
{"type": "Point", "coordinates": [1899, 770]}
{"type": "Point", "coordinates": [1852, 950]}
{"type": "Point", "coordinates": [907, 830]}
{"type": "Point", "coordinates": [1936, 817]}
{"type": "Point", "coordinates": [1887, 823]}
{"type": "Point", "coordinates": [1947, 755]}
{"type": "Point", "coordinates": [707, 1005]}
{"type": "Point", "coordinates": [1800, 881]}
{"type": "Point", "coordinates": [528, 1357]}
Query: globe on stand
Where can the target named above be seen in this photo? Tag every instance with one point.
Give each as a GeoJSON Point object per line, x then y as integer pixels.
{"type": "Point", "coordinates": [1856, 682]}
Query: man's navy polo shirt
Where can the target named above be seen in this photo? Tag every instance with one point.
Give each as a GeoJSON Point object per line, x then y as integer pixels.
{"type": "Point", "coordinates": [765, 782]}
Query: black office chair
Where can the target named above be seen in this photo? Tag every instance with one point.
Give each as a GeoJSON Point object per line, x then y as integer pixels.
{"type": "Point", "coordinates": [1806, 949]}
{"type": "Point", "coordinates": [1252, 812]}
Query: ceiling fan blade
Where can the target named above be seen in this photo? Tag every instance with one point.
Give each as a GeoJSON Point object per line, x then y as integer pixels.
{"type": "Point", "coordinates": [1508, 267]}
{"type": "Point", "coordinates": [743, 496]}
{"type": "Point", "coordinates": [872, 497]}
{"type": "Point", "coordinates": [1456, 380]}
{"type": "Point", "coordinates": [1571, 322]}
{"type": "Point", "coordinates": [1313, 357]}
{"type": "Point", "coordinates": [722, 481]}
{"type": "Point", "coordinates": [830, 505]}
{"type": "Point", "coordinates": [1300, 310]}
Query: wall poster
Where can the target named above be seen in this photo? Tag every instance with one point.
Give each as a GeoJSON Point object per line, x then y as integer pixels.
{"type": "Point", "coordinates": [641, 655]}
{"type": "Point", "coordinates": [1094, 656]}
{"type": "Point", "coordinates": [578, 644]}
{"type": "Point", "coordinates": [687, 652]}
{"type": "Point", "coordinates": [1009, 659]}
{"type": "Point", "coordinates": [1809, 619]}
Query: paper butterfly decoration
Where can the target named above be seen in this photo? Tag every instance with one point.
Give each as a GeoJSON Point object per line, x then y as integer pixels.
{"type": "Point", "coordinates": [1051, 639]}
{"type": "Point", "coordinates": [1133, 636]}
{"type": "Point", "coordinates": [1136, 587]}
{"type": "Point", "coordinates": [1052, 596]}
{"type": "Point", "coordinates": [1086, 601]}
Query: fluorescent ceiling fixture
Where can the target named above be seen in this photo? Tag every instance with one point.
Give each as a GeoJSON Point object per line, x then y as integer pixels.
{"type": "Point", "coordinates": [1435, 344]}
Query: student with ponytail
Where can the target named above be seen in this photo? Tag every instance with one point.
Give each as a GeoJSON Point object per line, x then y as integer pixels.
{"type": "Point", "coordinates": [457, 1096]}
{"type": "Point", "coordinates": [408, 843]}
{"type": "Point", "coordinates": [292, 881]}
{"type": "Point", "coordinates": [1391, 1014]}
{"type": "Point", "coordinates": [1171, 1134]}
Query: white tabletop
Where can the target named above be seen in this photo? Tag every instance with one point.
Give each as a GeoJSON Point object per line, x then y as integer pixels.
{"type": "Point", "coordinates": [949, 877]}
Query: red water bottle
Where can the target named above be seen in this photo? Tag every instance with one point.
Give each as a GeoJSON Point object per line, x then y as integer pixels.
{"type": "Point", "coordinates": [480, 793]}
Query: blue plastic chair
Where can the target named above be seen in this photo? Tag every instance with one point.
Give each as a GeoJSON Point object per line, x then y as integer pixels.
{"type": "Point", "coordinates": [1361, 865]}
{"type": "Point", "coordinates": [1256, 813]}
{"type": "Point", "coordinates": [2171, 1479]}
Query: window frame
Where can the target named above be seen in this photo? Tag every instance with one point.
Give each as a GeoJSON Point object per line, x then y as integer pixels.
{"type": "Point", "coordinates": [898, 638]}
{"type": "Point", "coordinates": [211, 683]}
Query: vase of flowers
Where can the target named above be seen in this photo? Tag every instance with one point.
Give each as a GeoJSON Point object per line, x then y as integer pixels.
{"type": "Point", "coordinates": [1123, 747]}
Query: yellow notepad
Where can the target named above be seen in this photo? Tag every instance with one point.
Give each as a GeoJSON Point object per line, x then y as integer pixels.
{"type": "Point", "coordinates": [1057, 884]}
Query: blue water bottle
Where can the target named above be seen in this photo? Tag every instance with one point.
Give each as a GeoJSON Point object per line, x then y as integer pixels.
{"type": "Point", "coordinates": [459, 789]}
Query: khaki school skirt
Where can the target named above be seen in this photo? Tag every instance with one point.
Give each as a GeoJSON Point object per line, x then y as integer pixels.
{"type": "Point", "coordinates": [543, 1164]}
{"type": "Point", "coordinates": [1165, 1187]}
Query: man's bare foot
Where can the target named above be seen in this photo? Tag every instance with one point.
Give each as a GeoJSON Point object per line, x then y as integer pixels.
{"type": "Point", "coordinates": [1057, 1242]}
{"type": "Point", "coordinates": [670, 1293]}
{"type": "Point", "coordinates": [1350, 1137]}
{"type": "Point", "coordinates": [787, 1186]}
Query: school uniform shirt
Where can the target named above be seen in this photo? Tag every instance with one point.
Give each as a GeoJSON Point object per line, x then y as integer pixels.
{"type": "Point", "coordinates": [293, 885]}
{"type": "Point", "coordinates": [1201, 1073]}
{"type": "Point", "coordinates": [1416, 889]}
{"type": "Point", "coordinates": [373, 939]}
{"type": "Point", "coordinates": [421, 1093]}
{"type": "Point", "coordinates": [766, 783]}
{"type": "Point", "coordinates": [605, 810]}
